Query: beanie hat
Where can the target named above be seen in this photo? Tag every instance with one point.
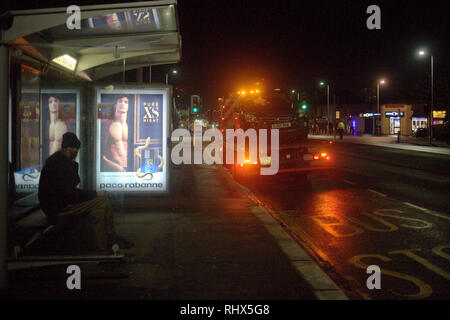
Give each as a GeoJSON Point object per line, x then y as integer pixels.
{"type": "Point", "coordinates": [70, 140]}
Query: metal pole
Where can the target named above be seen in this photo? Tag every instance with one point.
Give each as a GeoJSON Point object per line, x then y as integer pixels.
{"type": "Point", "coordinates": [334, 115]}
{"type": "Point", "coordinates": [150, 74]}
{"type": "Point", "coordinates": [4, 77]}
{"type": "Point", "coordinates": [378, 104]}
{"type": "Point", "coordinates": [328, 109]}
{"type": "Point", "coordinates": [167, 78]}
{"type": "Point", "coordinates": [139, 75]}
{"type": "Point", "coordinates": [432, 100]}
{"type": "Point", "coordinates": [373, 124]}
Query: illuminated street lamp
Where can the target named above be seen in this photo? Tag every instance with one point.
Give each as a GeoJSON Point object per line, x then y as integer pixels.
{"type": "Point", "coordinates": [174, 71]}
{"type": "Point", "coordinates": [430, 126]}
{"type": "Point", "coordinates": [328, 105]}
{"type": "Point", "coordinates": [378, 105]}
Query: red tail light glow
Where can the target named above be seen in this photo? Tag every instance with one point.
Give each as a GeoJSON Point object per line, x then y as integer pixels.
{"type": "Point", "coordinates": [322, 155]}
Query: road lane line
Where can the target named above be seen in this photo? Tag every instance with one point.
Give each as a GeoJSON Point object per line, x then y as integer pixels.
{"type": "Point", "coordinates": [377, 193]}
{"type": "Point", "coordinates": [349, 182]}
{"type": "Point", "coordinates": [428, 211]}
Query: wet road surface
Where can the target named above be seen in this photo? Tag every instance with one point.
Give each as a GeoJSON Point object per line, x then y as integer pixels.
{"type": "Point", "coordinates": [388, 208]}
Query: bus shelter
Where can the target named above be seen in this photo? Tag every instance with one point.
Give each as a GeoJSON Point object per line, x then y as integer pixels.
{"type": "Point", "coordinates": [57, 69]}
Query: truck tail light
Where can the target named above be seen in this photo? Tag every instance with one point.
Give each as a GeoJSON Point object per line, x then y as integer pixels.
{"type": "Point", "coordinates": [322, 155]}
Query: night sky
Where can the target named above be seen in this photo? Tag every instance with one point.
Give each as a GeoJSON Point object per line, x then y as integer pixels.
{"type": "Point", "coordinates": [229, 44]}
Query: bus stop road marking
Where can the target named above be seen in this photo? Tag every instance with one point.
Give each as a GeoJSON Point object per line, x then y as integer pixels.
{"type": "Point", "coordinates": [427, 211]}
{"type": "Point", "coordinates": [377, 193]}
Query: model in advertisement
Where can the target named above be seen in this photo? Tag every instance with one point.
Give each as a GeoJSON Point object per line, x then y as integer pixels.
{"type": "Point", "coordinates": [57, 127]}
{"type": "Point", "coordinates": [116, 145]}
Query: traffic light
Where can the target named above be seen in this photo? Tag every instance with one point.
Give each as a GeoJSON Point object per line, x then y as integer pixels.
{"type": "Point", "coordinates": [195, 104]}
{"type": "Point", "coordinates": [304, 102]}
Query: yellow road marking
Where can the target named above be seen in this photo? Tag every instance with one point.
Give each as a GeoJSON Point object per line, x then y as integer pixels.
{"type": "Point", "coordinates": [409, 253]}
{"type": "Point", "coordinates": [427, 211]}
{"type": "Point", "coordinates": [424, 289]}
{"type": "Point", "coordinates": [377, 193]}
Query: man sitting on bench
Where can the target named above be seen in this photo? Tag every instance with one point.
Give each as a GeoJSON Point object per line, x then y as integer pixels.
{"type": "Point", "coordinates": [59, 197]}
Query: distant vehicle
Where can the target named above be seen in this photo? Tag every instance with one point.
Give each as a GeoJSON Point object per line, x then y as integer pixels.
{"type": "Point", "coordinates": [274, 110]}
{"type": "Point", "coordinates": [420, 132]}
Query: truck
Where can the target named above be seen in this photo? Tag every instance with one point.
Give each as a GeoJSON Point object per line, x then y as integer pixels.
{"type": "Point", "coordinates": [256, 109]}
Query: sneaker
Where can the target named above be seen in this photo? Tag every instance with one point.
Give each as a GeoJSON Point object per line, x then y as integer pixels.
{"type": "Point", "coordinates": [123, 244]}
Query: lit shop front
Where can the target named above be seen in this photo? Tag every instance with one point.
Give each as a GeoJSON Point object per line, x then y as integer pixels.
{"type": "Point", "coordinates": [418, 123]}
{"type": "Point", "coordinates": [396, 118]}
{"type": "Point", "coordinates": [439, 116]}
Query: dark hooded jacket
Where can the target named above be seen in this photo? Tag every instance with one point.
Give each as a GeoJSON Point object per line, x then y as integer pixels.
{"type": "Point", "coordinates": [57, 185]}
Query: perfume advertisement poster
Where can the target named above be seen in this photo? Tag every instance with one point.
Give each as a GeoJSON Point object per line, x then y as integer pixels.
{"type": "Point", "coordinates": [45, 116]}
{"type": "Point", "coordinates": [131, 145]}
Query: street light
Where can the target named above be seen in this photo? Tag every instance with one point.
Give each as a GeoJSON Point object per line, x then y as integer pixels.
{"type": "Point", "coordinates": [174, 71]}
{"type": "Point", "coordinates": [328, 105]}
{"type": "Point", "coordinates": [430, 126]}
{"type": "Point", "coordinates": [378, 104]}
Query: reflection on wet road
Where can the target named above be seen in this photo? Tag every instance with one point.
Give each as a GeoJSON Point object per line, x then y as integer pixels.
{"type": "Point", "coordinates": [347, 226]}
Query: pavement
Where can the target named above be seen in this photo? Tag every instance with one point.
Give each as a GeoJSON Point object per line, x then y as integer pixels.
{"type": "Point", "coordinates": [207, 240]}
{"type": "Point", "coordinates": [406, 143]}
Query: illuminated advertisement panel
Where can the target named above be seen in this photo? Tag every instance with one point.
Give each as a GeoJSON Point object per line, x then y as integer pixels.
{"type": "Point", "coordinates": [127, 20]}
{"type": "Point", "coordinates": [132, 131]}
{"type": "Point", "coordinates": [43, 124]}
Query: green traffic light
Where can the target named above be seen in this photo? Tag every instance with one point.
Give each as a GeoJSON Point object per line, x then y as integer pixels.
{"type": "Point", "coordinates": [195, 110]}
{"type": "Point", "coordinates": [304, 107]}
